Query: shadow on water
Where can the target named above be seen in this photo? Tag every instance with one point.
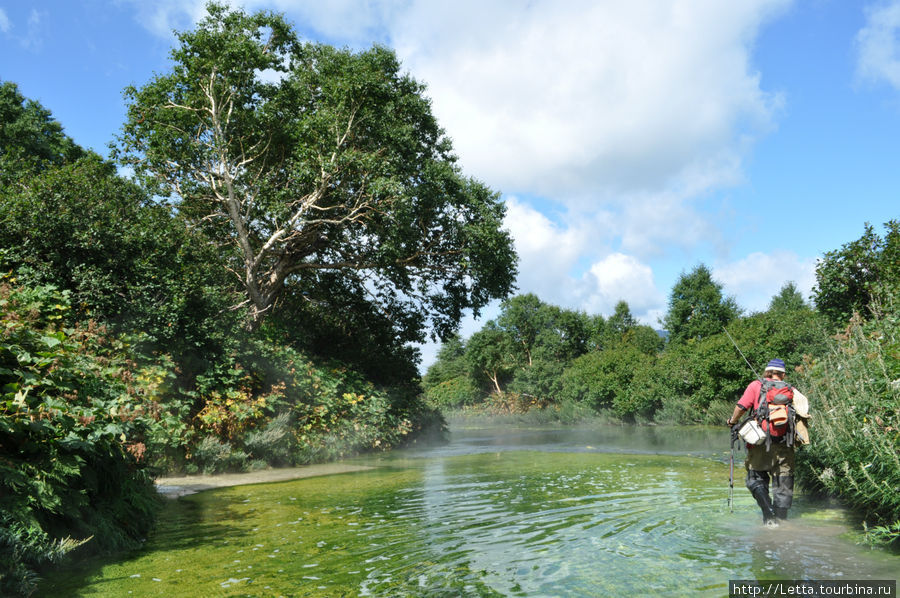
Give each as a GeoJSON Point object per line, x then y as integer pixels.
{"type": "Point", "coordinates": [184, 524]}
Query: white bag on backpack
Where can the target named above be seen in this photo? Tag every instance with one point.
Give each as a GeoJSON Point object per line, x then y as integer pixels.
{"type": "Point", "coordinates": [752, 433]}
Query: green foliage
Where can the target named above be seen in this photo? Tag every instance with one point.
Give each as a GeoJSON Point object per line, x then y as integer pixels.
{"type": "Point", "coordinates": [453, 393]}
{"type": "Point", "coordinates": [212, 455]}
{"type": "Point", "coordinates": [620, 322]}
{"type": "Point", "coordinates": [334, 320]}
{"type": "Point", "coordinates": [542, 331]}
{"type": "Point", "coordinates": [492, 356]}
{"type": "Point", "coordinates": [602, 378]}
{"type": "Point", "coordinates": [537, 350]}
{"type": "Point", "coordinates": [788, 300]}
{"type": "Point", "coordinates": [644, 338]}
{"type": "Point", "coordinates": [337, 167]}
{"type": "Point", "coordinates": [123, 259]}
{"type": "Point", "coordinates": [274, 404]}
{"type": "Point", "coordinates": [448, 383]}
{"type": "Point", "coordinates": [849, 278]}
{"type": "Point", "coordinates": [30, 140]}
{"type": "Point", "coordinates": [697, 309]}
{"type": "Point", "coordinates": [450, 363]}
{"type": "Point", "coordinates": [272, 444]}
{"type": "Point", "coordinates": [76, 414]}
{"type": "Point", "coordinates": [854, 391]}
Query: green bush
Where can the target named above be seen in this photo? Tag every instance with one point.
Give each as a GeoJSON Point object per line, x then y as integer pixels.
{"type": "Point", "coordinates": [273, 443]}
{"type": "Point", "coordinates": [212, 455]}
{"type": "Point", "coordinates": [274, 404]}
{"type": "Point", "coordinates": [854, 392]}
{"type": "Point", "coordinates": [453, 393]}
{"type": "Point", "coordinates": [75, 415]}
{"type": "Point", "coordinates": [601, 378]}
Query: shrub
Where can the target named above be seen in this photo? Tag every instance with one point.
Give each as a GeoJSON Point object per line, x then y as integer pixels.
{"type": "Point", "coordinates": [211, 455]}
{"type": "Point", "coordinates": [453, 393]}
{"type": "Point", "coordinates": [602, 378]}
{"type": "Point", "coordinates": [273, 443]}
{"type": "Point", "coordinates": [854, 392]}
{"type": "Point", "coordinates": [75, 415]}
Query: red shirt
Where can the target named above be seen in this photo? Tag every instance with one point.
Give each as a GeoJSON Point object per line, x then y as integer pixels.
{"type": "Point", "coordinates": [750, 399]}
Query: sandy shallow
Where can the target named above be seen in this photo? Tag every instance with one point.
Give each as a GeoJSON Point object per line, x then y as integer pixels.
{"type": "Point", "coordinates": [174, 487]}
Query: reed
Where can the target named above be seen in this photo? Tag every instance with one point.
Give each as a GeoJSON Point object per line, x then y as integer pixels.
{"type": "Point", "coordinates": [854, 391]}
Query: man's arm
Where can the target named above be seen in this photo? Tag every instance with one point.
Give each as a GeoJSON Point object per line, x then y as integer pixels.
{"type": "Point", "coordinates": [738, 411]}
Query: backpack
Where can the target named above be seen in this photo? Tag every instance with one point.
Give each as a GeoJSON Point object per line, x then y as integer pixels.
{"type": "Point", "coordinates": [775, 413]}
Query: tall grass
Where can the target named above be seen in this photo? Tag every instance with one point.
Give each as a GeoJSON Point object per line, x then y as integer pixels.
{"type": "Point", "coordinates": [854, 391]}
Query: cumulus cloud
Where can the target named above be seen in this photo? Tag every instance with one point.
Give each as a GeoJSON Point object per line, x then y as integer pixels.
{"type": "Point", "coordinates": [571, 264]}
{"type": "Point", "coordinates": [620, 277]}
{"type": "Point", "coordinates": [878, 44]}
{"type": "Point", "coordinates": [758, 277]}
{"type": "Point", "coordinates": [565, 99]}
{"type": "Point", "coordinates": [572, 98]}
{"type": "Point", "coordinates": [547, 250]}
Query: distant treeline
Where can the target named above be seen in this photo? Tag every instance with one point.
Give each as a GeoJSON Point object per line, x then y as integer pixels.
{"type": "Point", "coordinates": [843, 351]}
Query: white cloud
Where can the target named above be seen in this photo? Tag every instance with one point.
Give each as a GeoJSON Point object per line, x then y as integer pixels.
{"type": "Point", "coordinates": [758, 277]}
{"type": "Point", "coordinates": [34, 39]}
{"type": "Point", "coordinates": [623, 277]}
{"type": "Point", "coordinates": [552, 254]}
{"type": "Point", "coordinates": [878, 44]}
{"type": "Point", "coordinates": [5, 23]}
{"type": "Point", "coordinates": [162, 17]}
{"type": "Point", "coordinates": [587, 97]}
{"type": "Point", "coordinates": [565, 98]}
{"type": "Point", "coordinates": [547, 251]}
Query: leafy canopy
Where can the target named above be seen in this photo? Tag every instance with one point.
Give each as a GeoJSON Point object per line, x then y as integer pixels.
{"type": "Point", "coordinates": [302, 159]}
{"type": "Point", "coordinates": [848, 278]}
{"type": "Point", "coordinates": [697, 308]}
{"type": "Point", "coordinates": [30, 139]}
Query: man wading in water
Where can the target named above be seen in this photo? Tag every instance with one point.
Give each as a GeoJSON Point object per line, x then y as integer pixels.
{"type": "Point", "coordinates": [771, 434]}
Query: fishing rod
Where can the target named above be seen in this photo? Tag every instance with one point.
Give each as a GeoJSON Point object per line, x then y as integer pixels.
{"type": "Point", "coordinates": [747, 361]}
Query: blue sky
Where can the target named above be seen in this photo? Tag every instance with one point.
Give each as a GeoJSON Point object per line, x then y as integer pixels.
{"type": "Point", "coordinates": [631, 141]}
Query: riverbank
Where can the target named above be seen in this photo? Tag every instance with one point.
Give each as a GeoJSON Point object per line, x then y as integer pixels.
{"type": "Point", "coordinates": [174, 487]}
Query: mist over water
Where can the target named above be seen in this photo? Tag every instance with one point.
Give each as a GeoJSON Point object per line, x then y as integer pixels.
{"type": "Point", "coordinates": [505, 512]}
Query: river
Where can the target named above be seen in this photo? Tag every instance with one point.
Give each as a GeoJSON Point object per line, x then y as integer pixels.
{"type": "Point", "coordinates": [606, 511]}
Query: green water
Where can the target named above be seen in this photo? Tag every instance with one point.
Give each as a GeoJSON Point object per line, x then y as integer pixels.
{"type": "Point", "coordinates": [498, 513]}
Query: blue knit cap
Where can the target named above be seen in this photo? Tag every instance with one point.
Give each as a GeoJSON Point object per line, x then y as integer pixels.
{"type": "Point", "coordinates": [776, 365]}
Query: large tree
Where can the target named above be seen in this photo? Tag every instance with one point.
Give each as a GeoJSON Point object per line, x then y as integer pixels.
{"type": "Point", "coordinates": [848, 278]}
{"type": "Point", "coordinates": [30, 139]}
{"type": "Point", "coordinates": [697, 307]}
{"type": "Point", "coordinates": [301, 158]}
